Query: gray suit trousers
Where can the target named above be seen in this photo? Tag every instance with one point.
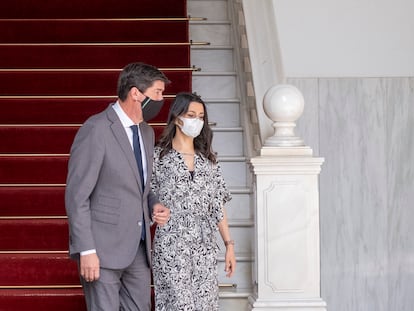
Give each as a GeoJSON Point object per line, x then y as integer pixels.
{"type": "Point", "coordinates": [118, 290]}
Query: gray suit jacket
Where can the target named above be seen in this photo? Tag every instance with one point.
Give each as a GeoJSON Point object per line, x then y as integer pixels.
{"type": "Point", "coordinates": [104, 201]}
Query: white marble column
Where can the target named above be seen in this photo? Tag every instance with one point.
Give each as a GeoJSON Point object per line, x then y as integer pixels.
{"type": "Point", "coordinates": [287, 262]}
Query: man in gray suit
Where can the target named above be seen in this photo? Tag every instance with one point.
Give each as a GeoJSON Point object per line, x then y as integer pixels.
{"type": "Point", "coordinates": [108, 197]}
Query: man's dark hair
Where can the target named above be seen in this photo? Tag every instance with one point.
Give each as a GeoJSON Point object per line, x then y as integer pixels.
{"type": "Point", "coordinates": [140, 75]}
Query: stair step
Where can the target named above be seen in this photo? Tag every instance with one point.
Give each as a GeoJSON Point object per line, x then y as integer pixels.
{"type": "Point", "coordinates": [34, 234]}
{"type": "Point", "coordinates": [239, 207]}
{"type": "Point", "coordinates": [93, 9]}
{"type": "Point", "coordinates": [74, 82]}
{"type": "Point", "coordinates": [221, 140]}
{"type": "Point", "coordinates": [239, 279]}
{"type": "Point", "coordinates": [65, 299]}
{"type": "Point", "coordinates": [37, 270]}
{"type": "Point", "coordinates": [235, 172]}
{"type": "Point", "coordinates": [89, 31]}
{"type": "Point", "coordinates": [33, 169]}
{"type": "Point", "coordinates": [224, 113]}
{"type": "Point", "coordinates": [212, 58]}
{"type": "Point", "coordinates": [37, 139]}
{"type": "Point", "coordinates": [91, 56]}
{"type": "Point", "coordinates": [212, 10]}
{"type": "Point", "coordinates": [214, 32]}
{"type": "Point", "coordinates": [234, 299]}
{"type": "Point", "coordinates": [223, 84]}
{"type": "Point", "coordinates": [32, 201]}
{"type": "Point", "coordinates": [60, 110]}
{"type": "Point", "coordinates": [242, 237]}
{"type": "Point", "coordinates": [50, 110]}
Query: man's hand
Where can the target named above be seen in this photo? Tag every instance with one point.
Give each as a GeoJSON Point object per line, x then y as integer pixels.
{"type": "Point", "coordinates": [89, 267]}
{"type": "Point", "coordinates": [161, 214]}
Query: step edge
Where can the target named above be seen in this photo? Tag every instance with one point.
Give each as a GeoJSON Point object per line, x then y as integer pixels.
{"type": "Point", "coordinates": [214, 73]}
{"type": "Point", "coordinates": [29, 252]}
{"type": "Point", "coordinates": [39, 286]}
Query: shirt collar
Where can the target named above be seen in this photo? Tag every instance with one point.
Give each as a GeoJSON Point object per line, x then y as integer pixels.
{"type": "Point", "coordinates": [125, 120]}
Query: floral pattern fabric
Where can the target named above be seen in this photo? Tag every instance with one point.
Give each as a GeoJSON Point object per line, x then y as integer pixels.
{"type": "Point", "coordinates": [185, 249]}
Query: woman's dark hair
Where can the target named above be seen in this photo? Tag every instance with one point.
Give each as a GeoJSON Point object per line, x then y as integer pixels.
{"type": "Point", "coordinates": [202, 143]}
{"type": "Point", "coordinates": [140, 75]}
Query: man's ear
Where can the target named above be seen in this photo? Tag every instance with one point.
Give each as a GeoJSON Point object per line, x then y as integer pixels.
{"type": "Point", "coordinates": [137, 94]}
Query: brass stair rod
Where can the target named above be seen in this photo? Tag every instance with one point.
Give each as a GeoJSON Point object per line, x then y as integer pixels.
{"type": "Point", "coordinates": [188, 18]}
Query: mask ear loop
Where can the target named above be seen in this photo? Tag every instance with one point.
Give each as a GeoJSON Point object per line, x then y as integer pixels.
{"type": "Point", "coordinates": [145, 102]}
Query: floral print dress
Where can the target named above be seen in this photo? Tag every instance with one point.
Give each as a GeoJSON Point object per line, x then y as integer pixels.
{"type": "Point", "coordinates": [185, 249]}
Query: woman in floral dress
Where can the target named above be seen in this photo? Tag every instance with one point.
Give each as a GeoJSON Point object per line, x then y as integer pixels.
{"type": "Point", "coordinates": [187, 179]}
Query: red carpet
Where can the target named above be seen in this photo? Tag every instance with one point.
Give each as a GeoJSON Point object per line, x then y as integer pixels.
{"type": "Point", "coordinates": [56, 110]}
{"type": "Point", "coordinates": [59, 64]}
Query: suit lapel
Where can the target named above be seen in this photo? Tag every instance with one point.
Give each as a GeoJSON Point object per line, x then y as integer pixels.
{"type": "Point", "coordinates": [120, 135]}
{"type": "Point", "coordinates": [146, 133]}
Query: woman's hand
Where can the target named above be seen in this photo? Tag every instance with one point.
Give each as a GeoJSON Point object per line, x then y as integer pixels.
{"type": "Point", "coordinates": [230, 260]}
{"type": "Point", "coordinates": [161, 214]}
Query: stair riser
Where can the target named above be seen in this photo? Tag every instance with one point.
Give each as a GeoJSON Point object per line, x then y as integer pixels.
{"type": "Point", "coordinates": [216, 34]}
{"type": "Point", "coordinates": [81, 83]}
{"type": "Point", "coordinates": [213, 59]}
{"type": "Point", "coordinates": [38, 139]}
{"type": "Point", "coordinates": [212, 10]}
{"type": "Point", "coordinates": [239, 207]}
{"type": "Point", "coordinates": [51, 299]}
{"type": "Point", "coordinates": [235, 174]}
{"type": "Point", "coordinates": [37, 235]}
{"type": "Point", "coordinates": [93, 9]}
{"type": "Point", "coordinates": [224, 114]}
{"type": "Point", "coordinates": [37, 170]}
{"type": "Point", "coordinates": [37, 270]}
{"type": "Point", "coordinates": [240, 279]}
{"type": "Point", "coordinates": [220, 86]}
{"type": "Point", "coordinates": [32, 201]}
{"type": "Point", "coordinates": [91, 57]}
{"type": "Point", "coordinates": [233, 304]}
{"type": "Point", "coordinates": [223, 148]}
{"type": "Point", "coordinates": [59, 110]}
{"type": "Point", "coordinates": [32, 170]}
{"type": "Point", "coordinates": [89, 31]}
{"type": "Point", "coordinates": [242, 237]}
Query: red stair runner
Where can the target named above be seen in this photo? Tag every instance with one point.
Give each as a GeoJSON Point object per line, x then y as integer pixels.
{"type": "Point", "coordinates": [57, 110]}
{"type": "Point", "coordinates": [59, 64]}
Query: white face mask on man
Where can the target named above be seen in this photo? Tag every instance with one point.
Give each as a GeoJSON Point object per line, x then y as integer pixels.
{"type": "Point", "coordinates": [191, 126]}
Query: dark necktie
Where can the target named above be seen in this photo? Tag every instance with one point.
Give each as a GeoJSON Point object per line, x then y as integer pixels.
{"type": "Point", "coordinates": [138, 158]}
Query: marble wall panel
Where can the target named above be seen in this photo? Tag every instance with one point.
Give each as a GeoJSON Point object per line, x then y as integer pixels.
{"type": "Point", "coordinates": [353, 194]}
{"type": "Point", "coordinates": [364, 128]}
{"type": "Point", "coordinates": [400, 179]}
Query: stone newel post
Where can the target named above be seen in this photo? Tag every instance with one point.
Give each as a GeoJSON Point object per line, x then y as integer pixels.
{"type": "Point", "coordinates": [286, 271]}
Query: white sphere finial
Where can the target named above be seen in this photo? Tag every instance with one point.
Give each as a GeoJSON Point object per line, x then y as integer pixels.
{"type": "Point", "coordinates": [283, 104]}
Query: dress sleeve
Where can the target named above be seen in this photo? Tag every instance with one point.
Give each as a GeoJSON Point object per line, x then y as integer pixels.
{"type": "Point", "coordinates": [155, 169]}
{"type": "Point", "coordinates": [221, 194]}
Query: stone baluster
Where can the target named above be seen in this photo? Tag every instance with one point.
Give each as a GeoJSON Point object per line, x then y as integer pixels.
{"type": "Point", "coordinates": [287, 261]}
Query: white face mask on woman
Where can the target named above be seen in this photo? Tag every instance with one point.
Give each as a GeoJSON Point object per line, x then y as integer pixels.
{"type": "Point", "coordinates": [191, 126]}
